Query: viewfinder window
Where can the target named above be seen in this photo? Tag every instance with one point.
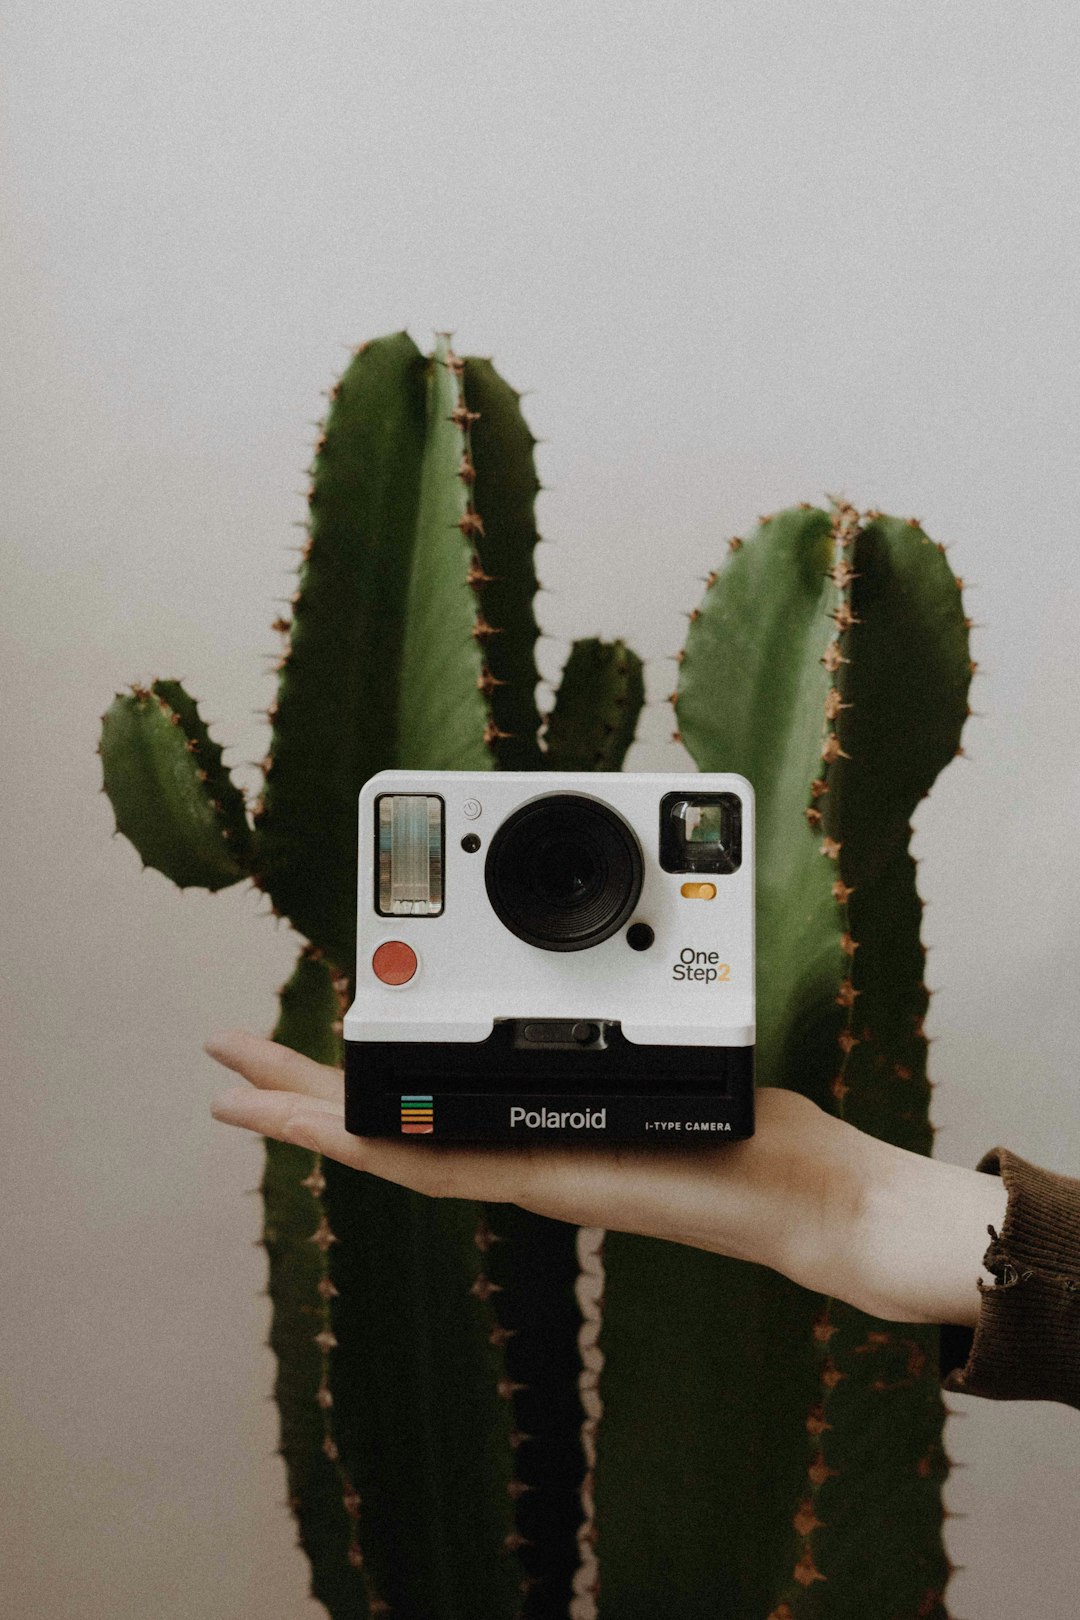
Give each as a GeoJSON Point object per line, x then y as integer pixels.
{"type": "Point", "coordinates": [701, 832]}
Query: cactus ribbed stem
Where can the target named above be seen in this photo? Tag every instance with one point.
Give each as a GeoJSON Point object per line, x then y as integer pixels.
{"type": "Point", "coordinates": [297, 1238]}
{"type": "Point", "coordinates": [504, 487]}
{"type": "Point", "coordinates": [172, 795]}
{"type": "Point", "coordinates": [597, 708]}
{"type": "Point", "coordinates": [828, 662]}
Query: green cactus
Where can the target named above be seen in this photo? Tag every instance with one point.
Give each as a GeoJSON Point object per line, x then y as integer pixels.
{"type": "Point", "coordinates": [813, 1433]}
{"type": "Point", "coordinates": [430, 1421]}
{"type": "Point", "coordinates": [596, 710]}
{"type": "Point", "coordinates": [296, 1234]}
{"type": "Point", "coordinates": [752, 1450]}
{"type": "Point", "coordinates": [172, 795]}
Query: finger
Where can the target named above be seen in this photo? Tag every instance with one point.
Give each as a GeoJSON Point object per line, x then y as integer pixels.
{"type": "Point", "coordinates": [314, 1123]}
{"type": "Point", "coordinates": [272, 1067]}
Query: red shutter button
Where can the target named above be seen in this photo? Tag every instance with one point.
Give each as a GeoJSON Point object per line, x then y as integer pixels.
{"type": "Point", "coordinates": [394, 962]}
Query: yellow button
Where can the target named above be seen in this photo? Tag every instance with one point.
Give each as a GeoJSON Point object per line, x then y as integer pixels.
{"type": "Point", "coordinates": [698, 891]}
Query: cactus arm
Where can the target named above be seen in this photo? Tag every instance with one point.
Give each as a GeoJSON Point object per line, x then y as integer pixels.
{"type": "Point", "coordinates": [533, 1262]}
{"type": "Point", "coordinates": [802, 1424]}
{"type": "Point", "coordinates": [751, 694]}
{"type": "Point", "coordinates": [421, 1409]}
{"type": "Point", "coordinates": [320, 1493]}
{"type": "Point", "coordinates": [444, 718]}
{"type": "Point", "coordinates": [595, 716]}
{"type": "Point", "coordinates": [907, 683]}
{"type": "Point", "coordinates": [910, 619]}
{"type": "Point", "coordinates": [382, 546]}
{"type": "Point", "coordinates": [396, 1428]}
{"type": "Point", "coordinates": [335, 715]}
{"type": "Point", "coordinates": [505, 486]}
{"type": "Point", "coordinates": [208, 757]}
{"type": "Point", "coordinates": [386, 623]}
{"type": "Point", "coordinates": [172, 796]}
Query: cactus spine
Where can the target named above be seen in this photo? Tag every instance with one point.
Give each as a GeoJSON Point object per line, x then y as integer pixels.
{"type": "Point", "coordinates": [459, 1441]}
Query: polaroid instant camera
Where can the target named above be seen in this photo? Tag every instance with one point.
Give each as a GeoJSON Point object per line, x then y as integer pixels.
{"type": "Point", "coordinates": [553, 957]}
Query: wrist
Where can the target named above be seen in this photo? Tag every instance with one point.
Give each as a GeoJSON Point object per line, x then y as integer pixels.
{"type": "Point", "coordinates": [923, 1233]}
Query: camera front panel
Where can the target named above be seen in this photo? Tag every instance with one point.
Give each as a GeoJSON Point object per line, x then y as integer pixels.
{"type": "Point", "coordinates": [581, 938]}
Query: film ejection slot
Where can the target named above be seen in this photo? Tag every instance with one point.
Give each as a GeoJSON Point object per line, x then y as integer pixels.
{"type": "Point", "coordinates": [560, 1034]}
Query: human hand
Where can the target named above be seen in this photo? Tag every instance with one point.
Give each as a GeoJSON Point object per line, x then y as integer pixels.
{"type": "Point", "coordinates": [896, 1234]}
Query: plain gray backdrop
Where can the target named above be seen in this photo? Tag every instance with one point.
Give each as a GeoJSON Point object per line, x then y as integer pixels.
{"type": "Point", "coordinates": [741, 254]}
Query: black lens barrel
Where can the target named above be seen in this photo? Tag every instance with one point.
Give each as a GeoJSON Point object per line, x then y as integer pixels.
{"type": "Point", "coordinates": [564, 872]}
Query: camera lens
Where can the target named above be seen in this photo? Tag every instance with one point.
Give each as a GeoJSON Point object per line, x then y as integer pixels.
{"type": "Point", "coordinates": [563, 872]}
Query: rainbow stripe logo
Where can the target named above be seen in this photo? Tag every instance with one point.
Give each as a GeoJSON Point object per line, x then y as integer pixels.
{"type": "Point", "coordinates": [417, 1116]}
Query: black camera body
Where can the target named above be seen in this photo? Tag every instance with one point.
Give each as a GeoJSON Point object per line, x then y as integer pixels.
{"type": "Point", "coordinates": [553, 957]}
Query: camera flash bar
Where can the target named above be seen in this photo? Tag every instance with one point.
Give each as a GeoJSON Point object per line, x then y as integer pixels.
{"type": "Point", "coordinates": [409, 828]}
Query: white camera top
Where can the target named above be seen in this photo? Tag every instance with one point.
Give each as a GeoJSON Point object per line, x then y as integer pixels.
{"type": "Point", "coordinates": [603, 896]}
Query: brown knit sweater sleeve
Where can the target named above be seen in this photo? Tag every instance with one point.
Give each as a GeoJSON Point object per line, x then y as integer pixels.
{"type": "Point", "coordinates": [1025, 1345]}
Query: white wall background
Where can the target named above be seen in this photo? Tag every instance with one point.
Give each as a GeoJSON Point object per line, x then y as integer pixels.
{"type": "Point", "coordinates": [741, 253]}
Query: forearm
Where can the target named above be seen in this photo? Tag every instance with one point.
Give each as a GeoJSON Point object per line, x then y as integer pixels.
{"type": "Point", "coordinates": [923, 1233]}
